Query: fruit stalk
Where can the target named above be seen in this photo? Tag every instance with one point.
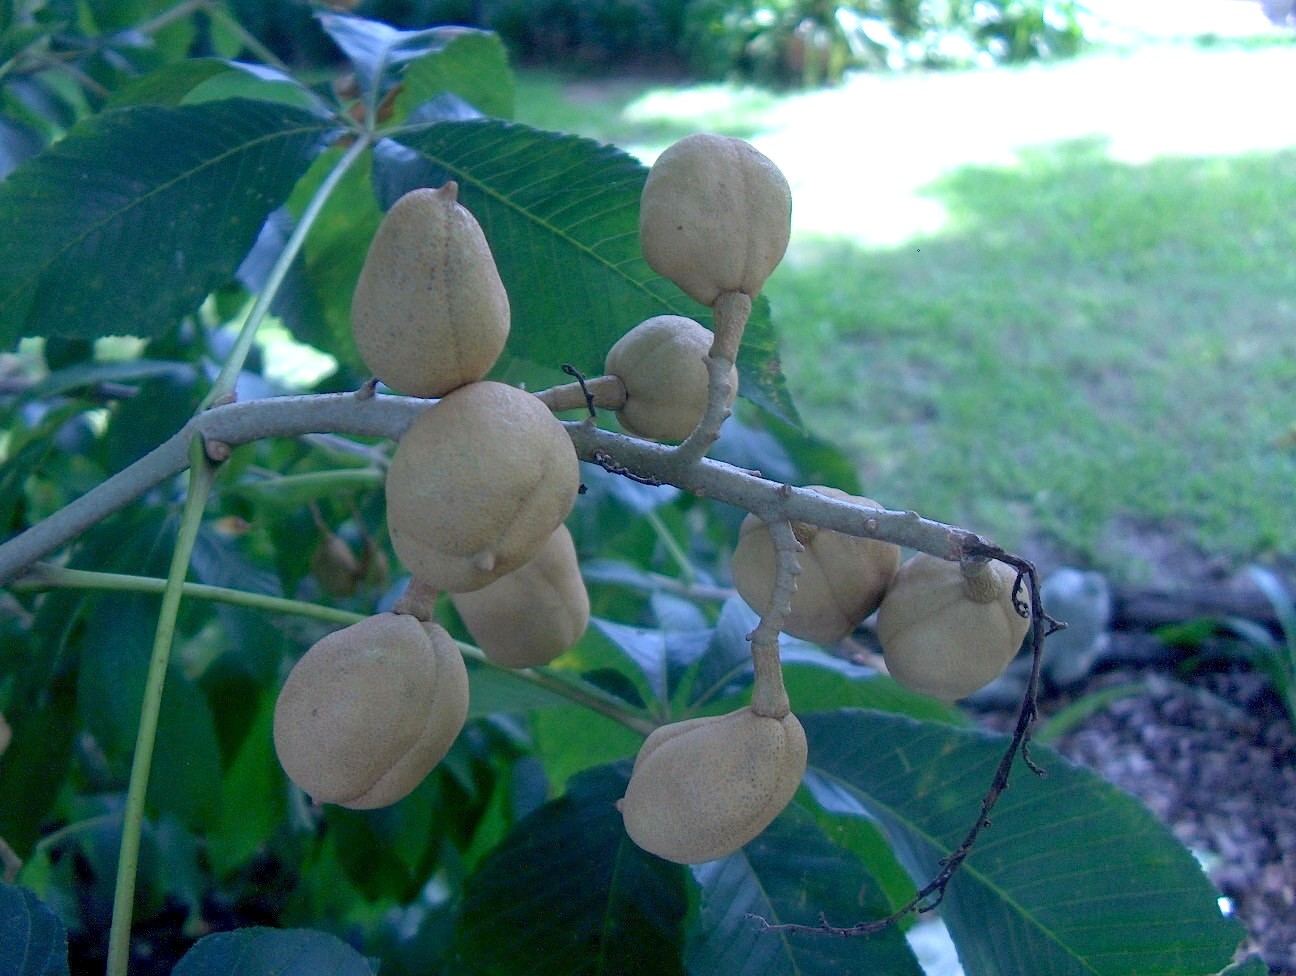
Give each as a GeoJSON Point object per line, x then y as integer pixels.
{"type": "Point", "coordinates": [979, 581]}
{"type": "Point", "coordinates": [608, 392]}
{"type": "Point", "coordinates": [732, 310]}
{"type": "Point", "coordinates": [769, 696]}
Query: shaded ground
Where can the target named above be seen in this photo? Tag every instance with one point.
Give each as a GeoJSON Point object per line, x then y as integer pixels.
{"type": "Point", "coordinates": [1214, 757]}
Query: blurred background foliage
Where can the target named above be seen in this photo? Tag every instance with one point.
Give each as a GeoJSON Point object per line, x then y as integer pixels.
{"type": "Point", "coordinates": [783, 42]}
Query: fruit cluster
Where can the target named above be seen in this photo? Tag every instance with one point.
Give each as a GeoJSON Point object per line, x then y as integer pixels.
{"type": "Point", "coordinates": [481, 482]}
{"type": "Point", "coordinates": [476, 494]}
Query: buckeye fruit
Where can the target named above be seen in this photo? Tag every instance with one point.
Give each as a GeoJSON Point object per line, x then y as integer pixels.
{"type": "Point", "coordinates": [715, 216]}
{"type": "Point", "coordinates": [946, 630]}
{"type": "Point", "coordinates": [662, 364]}
{"type": "Point", "coordinates": [477, 484]}
{"type": "Point", "coordinates": [369, 710]}
{"type": "Point", "coordinates": [429, 312]}
{"type": "Point", "coordinates": [843, 577]}
{"type": "Point", "coordinates": [533, 614]}
{"type": "Point", "coordinates": [704, 787]}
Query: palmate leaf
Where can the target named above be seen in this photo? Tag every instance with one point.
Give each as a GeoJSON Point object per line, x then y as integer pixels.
{"type": "Point", "coordinates": [561, 214]}
{"type": "Point", "coordinates": [1073, 878]}
{"type": "Point", "coordinates": [131, 220]}
{"type": "Point", "coordinates": [473, 66]}
{"type": "Point", "coordinates": [33, 941]}
{"type": "Point", "coordinates": [272, 952]}
{"type": "Point", "coordinates": [569, 894]}
{"type": "Point", "coordinates": [791, 864]}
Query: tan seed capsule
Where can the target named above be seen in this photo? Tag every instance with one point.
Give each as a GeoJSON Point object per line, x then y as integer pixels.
{"type": "Point", "coordinates": [533, 614]}
{"type": "Point", "coordinates": [477, 485]}
{"type": "Point", "coordinates": [715, 216]}
{"type": "Point", "coordinates": [369, 710]}
{"type": "Point", "coordinates": [662, 363]}
{"type": "Point", "coordinates": [843, 577]}
{"type": "Point", "coordinates": [429, 313]}
{"type": "Point", "coordinates": [947, 633]}
{"type": "Point", "coordinates": [703, 788]}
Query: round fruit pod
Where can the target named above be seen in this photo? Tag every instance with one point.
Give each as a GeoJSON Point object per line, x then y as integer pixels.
{"type": "Point", "coordinates": [843, 577]}
{"type": "Point", "coordinates": [477, 484]}
{"type": "Point", "coordinates": [533, 614]}
{"type": "Point", "coordinates": [662, 363]}
{"type": "Point", "coordinates": [429, 312]}
{"type": "Point", "coordinates": [946, 634]}
{"type": "Point", "coordinates": [369, 710]}
{"type": "Point", "coordinates": [703, 788]}
{"type": "Point", "coordinates": [715, 216]}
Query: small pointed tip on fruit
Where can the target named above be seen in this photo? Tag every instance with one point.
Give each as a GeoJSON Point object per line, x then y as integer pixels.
{"type": "Point", "coordinates": [620, 804]}
{"type": "Point", "coordinates": [449, 190]}
{"type": "Point", "coordinates": [484, 560]}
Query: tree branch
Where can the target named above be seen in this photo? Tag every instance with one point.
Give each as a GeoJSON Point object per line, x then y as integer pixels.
{"type": "Point", "coordinates": [388, 416]}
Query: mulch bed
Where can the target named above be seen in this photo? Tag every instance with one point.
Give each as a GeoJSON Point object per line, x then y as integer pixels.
{"type": "Point", "coordinates": [1213, 755]}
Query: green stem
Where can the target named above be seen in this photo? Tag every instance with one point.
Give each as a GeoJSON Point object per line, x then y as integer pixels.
{"type": "Point", "coordinates": [48, 578]}
{"type": "Point", "coordinates": [672, 546]}
{"type": "Point", "coordinates": [590, 697]}
{"type": "Point", "coordinates": [201, 476]}
{"type": "Point", "coordinates": [45, 577]}
{"type": "Point", "coordinates": [224, 385]}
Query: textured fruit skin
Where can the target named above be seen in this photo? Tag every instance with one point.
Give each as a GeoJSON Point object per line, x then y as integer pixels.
{"type": "Point", "coordinates": [843, 577]}
{"type": "Point", "coordinates": [937, 640]}
{"type": "Point", "coordinates": [369, 710]}
{"type": "Point", "coordinates": [533, 614]}
{"type": "Point", "coordinates": [477, 485]}
{"type": "Point", "coordinates": [715, 216]}
{"type": "Point", "coordinates": [429, 312]}
{"type": "Point", "coordinates": [703, 788]}
{"type": "Point", "coordinates": [662, 362]}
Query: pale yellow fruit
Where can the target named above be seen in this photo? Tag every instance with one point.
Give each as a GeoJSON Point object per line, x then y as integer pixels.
{"type": "Point", "coordinates": [662, 362]}
{"type": "Point", "coordinates": [369, 710]}
{"type": "Point", "coordinates": [843, 577]}
{"type": "Point", "coordinates": [477, 485]}
{"type": "Point", "coordinates": [429, 312]}
{"type": "Point", "coordinates": [703, 788]}
{"type": "Point", "coordinates": [715, 216]}
{"type": "Point", "coordinates": [946, 635]}
{"type": "Point", "coordinates": [533, 614]}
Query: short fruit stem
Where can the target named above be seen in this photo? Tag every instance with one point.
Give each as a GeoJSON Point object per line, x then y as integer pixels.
{"type": "Point", "coordinates": [769, 696]}
{"type": "Point", "coordinates": [980, 582]}
{"type": "Point", "coordinates": [609, 392]}
{"type": "Point", "coordinates": [418, 601]}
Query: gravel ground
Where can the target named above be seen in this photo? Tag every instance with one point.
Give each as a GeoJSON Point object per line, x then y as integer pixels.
{"type": "Point", "coordinates": [1214, 757]}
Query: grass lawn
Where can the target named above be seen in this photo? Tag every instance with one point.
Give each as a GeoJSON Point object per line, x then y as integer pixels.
{"type": "Point", "coordinates": [1055, 304]}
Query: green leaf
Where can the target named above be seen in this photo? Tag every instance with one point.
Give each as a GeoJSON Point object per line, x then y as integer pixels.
{"type": "Point", "coordinates": [571, 739]}
{"type": "Point", "coordinates": [473, 65]}
{"type": "Point", "coordinates": [175, 84]}
{"type": "Point", "coordinates": [252, 796]}
{"type": "Point", "coordinates": [1073, 877]}
{"type": "Point", "coordinates": [492, 690]}
{"type": "Point", "coordinates": [114, 665]}
{"type": "Point", "coordinates": [791, 865]}
{"type": "Point", "coordinates": [569, 894]}
{"type": "Point", "coordinates": [257, 82]}
{"type": "Point", "coordinates": [376, 50]}
{"type": "Point", "coordinates": [561, 214]}
{"type": "Point", "coordinates": [36, 765]}
{"type": "Point", "coordinates": [272, 952]}
{"type": "Point", "coordinates": [334, 254]}
{"type": "Point", "coordinates": [131, 220]}
{"type": "Point", "coordinates": [33, 941]}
